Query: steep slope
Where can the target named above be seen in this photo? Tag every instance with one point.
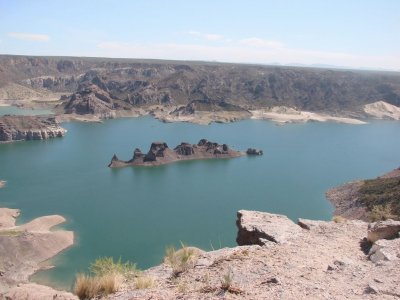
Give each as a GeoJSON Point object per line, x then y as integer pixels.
{"type": "Point", "coordinates": [142, 83]}
{"type": "Point", "coordinates": [372, 199]}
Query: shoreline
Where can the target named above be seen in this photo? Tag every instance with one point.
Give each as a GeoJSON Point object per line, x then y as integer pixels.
{"type": "Point", "coordinates": [345, 197]}
{"type": "Point", "coordinates": [279, 114]}
{"type": "Point", "coordinates": [18, 264]}
{"type": "Point", "coordinates": [289, 115]}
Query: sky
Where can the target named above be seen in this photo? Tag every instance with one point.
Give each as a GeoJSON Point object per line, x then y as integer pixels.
{"type": "Point", "coordinates": [344, 33]}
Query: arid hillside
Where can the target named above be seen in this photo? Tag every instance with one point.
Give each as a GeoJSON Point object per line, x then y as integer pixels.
{"type": "Point", "coordinates": [101, 84]}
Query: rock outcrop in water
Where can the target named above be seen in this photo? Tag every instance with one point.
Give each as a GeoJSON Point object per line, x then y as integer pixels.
{"type": "Point", "coordinates": [160, 154]}
{"type": "Point", "coordinates": [25, 128]}
{"type": "Point", "coordinates": [252, 151]}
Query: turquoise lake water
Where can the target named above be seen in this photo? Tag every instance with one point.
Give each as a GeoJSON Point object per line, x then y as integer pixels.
{"type": "Point", "coordinates": [134, 213]}
{"type": "Point", "coordinates": [13, 110]}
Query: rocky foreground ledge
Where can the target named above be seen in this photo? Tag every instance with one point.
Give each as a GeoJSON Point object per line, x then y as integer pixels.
{"type": "Point", "coordinates": [161, 154]}
{"type": "Point", "coordinates": [280, 259]}
{"type": "Point", "coordinates": [25, 128]}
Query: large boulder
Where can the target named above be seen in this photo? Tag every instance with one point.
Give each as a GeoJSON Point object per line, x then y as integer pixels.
{"type": "Point", "coordinates": [388, 229]}
{"type": "Point", "coordinates": [385, 250]}
{"type": "Point", "coordinates": [260, 228]}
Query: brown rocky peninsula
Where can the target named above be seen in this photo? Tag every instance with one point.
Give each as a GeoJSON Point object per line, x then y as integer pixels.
{"type": "Point", "coordinates": [368, 200]}
{"type": "Point", "coordinates": [25, 128]}
{"type": "Point", "coordinates": [161, 154]}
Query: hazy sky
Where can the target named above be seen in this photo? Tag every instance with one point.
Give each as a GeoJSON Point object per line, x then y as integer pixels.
{"type": "Point", "coordinates": [352, 33]}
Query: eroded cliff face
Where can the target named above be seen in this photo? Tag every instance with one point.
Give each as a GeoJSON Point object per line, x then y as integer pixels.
{"type": "Point", "coordinates": [195, 86]}
{"type": "Point", "coordinates": [25, 128]}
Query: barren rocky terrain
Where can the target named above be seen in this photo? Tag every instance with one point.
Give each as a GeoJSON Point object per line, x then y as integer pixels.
{"type": "Point", "coordinates": [283, 260]}
{"type": "Point", "coordinates": [191, 91]}
{"type": "Point", "coordinates": [23, 128]}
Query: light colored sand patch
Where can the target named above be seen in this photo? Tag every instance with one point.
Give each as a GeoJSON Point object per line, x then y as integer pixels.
{"type": "Point", "coordinates": [14, 91]}
{"type": "Point", "coordinates": [383, 110]}
{"type": "Point", "coordinates": [42, 224]}
{"type": "Point", "coordinates": [25, 248]}
{"type": "Point", "coordinates": [8, 217]}
{"type": "Point", "coordinates": [283, 114]}
{"type": "Point", "coordinates": [32, 291]}
{"type": "Point", "coordinates": [199, 117]}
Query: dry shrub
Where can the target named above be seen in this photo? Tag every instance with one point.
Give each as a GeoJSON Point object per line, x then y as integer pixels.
{"type": "Point", "coordinates": [182, 259]}
{"type": "Point", "coordinates": [144, 282]}
{"type": "Point", "coordinates": [338, 219]}
{"type": "Point", "coordinates": [88, 287]}
{"type": "Point", "coordinates": [381, 213]}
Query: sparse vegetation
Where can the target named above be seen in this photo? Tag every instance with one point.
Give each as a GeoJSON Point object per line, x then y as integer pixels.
{"type": "Point", "coordinates": [182, 259]}
{"type": "Point", "coordinates": [227, 284]}
{"type": "Point", "coordinates": [88, 287]}
{"type": "Point", "coordinates": [106, 265]}
{"type": "Point", "coordinates": [144, 282]}
{"type": "Point", "coordinates": [227, 280]}
{"type": "Point", "coordinates": [338, 219]}
{"type": "Point", "coordinates": [106, 278]}
{"type": "Point", "coordinates": [10, 232]}
{"type": "Point", "coordinates": [381, 196]}
{"type": "Point", "coordinates": [381, 213]}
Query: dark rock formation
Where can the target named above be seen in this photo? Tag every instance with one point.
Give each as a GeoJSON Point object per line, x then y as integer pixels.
{"type": "Point", "coordinates": [91, 100]}
{"type": "Point", "coordinates": [160, 154]}
{"type": "Point", "coordinates": [252, 151]}
{"type": "Point", "coordinates": [137, 153]}
{"type": "Point", "coordinates": [19, 128]}
{"type": "Point", "coordinates": [185, 149]}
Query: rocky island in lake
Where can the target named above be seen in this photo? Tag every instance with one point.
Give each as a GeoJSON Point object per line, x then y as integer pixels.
{"type": "Point", "coordinates": [161, 154]}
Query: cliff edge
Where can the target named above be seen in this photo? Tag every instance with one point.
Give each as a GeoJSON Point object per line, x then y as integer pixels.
{"type": "Point", "coordinates": [25, 128]}
{"type": "Point", "coordinates": [280, 259]}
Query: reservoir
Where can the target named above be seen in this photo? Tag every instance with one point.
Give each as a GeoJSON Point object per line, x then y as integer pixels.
{"type": "Point", "coordinates": [135, 213]}
{"type": "Point", "coordinates": [13, 110]}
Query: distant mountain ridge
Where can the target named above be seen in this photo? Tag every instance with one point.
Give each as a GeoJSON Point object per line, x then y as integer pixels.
{"type": "Point", "coordinates": [108, 84]}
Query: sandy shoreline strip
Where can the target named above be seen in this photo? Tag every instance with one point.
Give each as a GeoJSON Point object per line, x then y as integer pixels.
{"type": "Point", "coordinates": [282, 114]}
{"type": "Point", "coordinates": [25, 249]}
